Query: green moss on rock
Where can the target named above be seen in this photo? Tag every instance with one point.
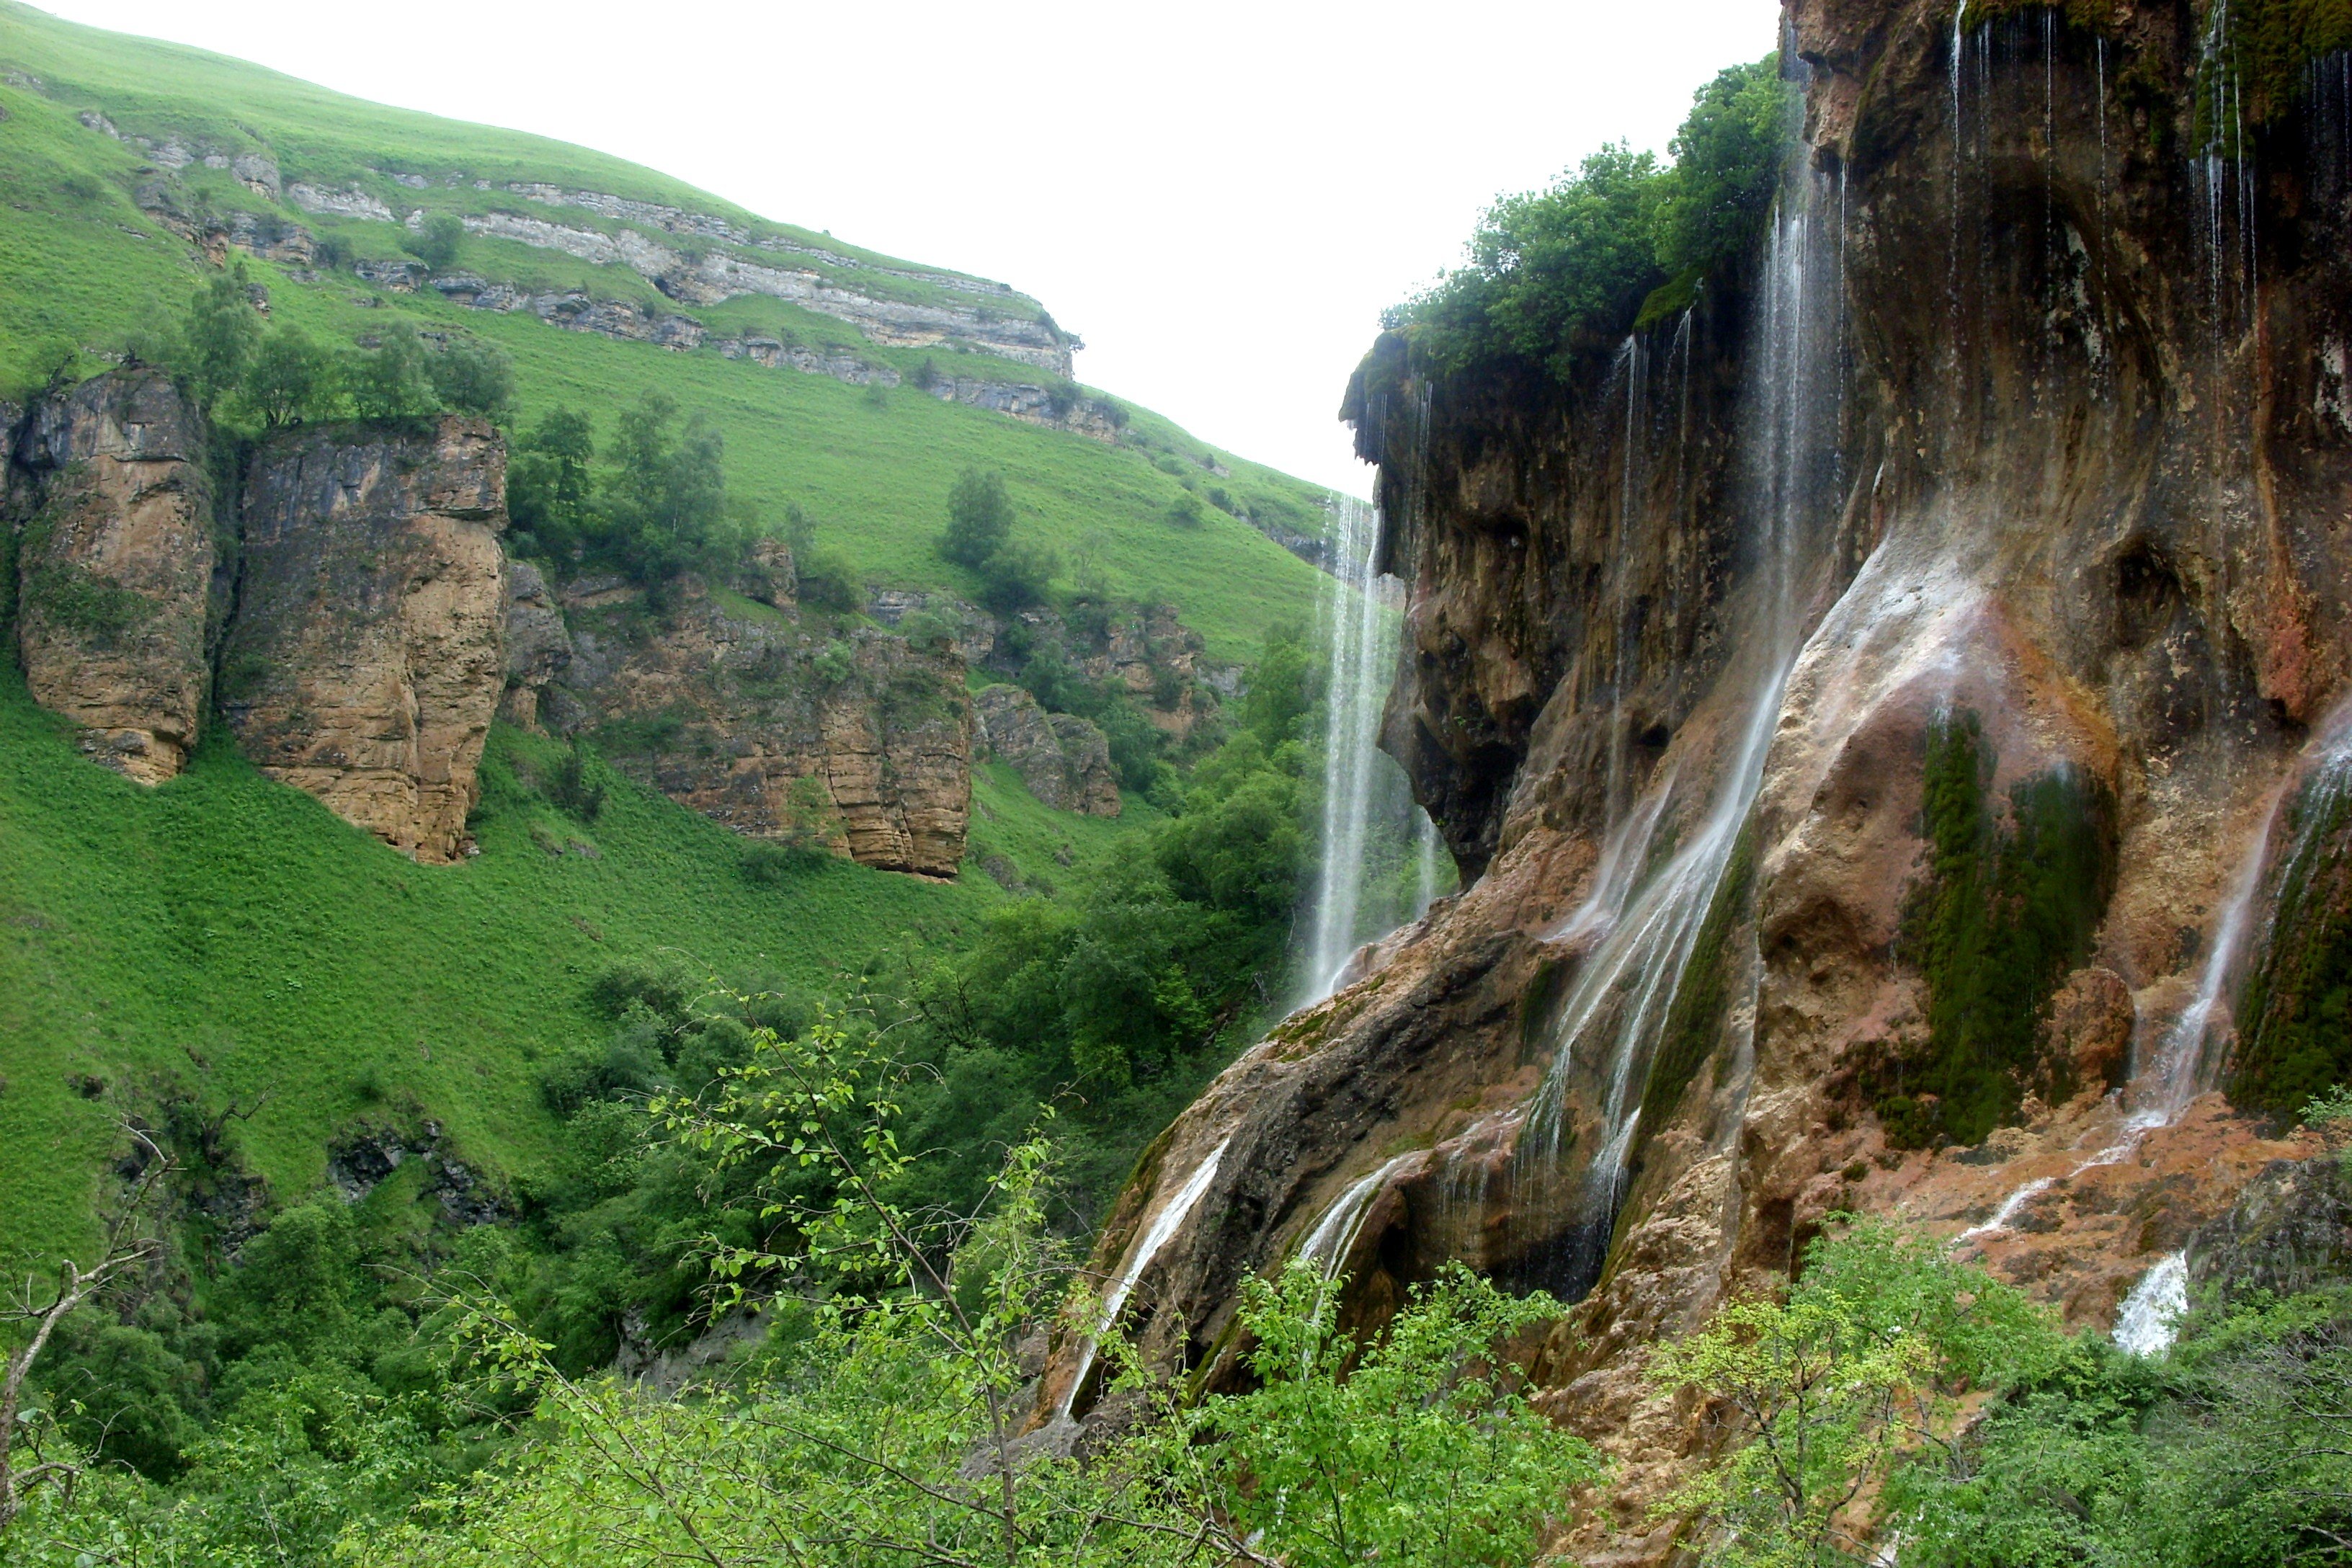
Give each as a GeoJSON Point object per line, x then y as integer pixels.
{"type": "Point", "coordinates": [2008, 906]}
{"type": "Point", "coordinates": [2295, 1039]}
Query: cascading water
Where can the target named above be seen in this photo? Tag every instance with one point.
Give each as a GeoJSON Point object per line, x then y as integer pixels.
{"type": "Point", "coordinates": [1642, 922]}
{"type": "Point", "coordinates": [1378, 864]}
{"type": "Point", "coordinates": [2150, 1315]}
{"type": "Point", "coordinates": [2182, 1065]}
{"type": "Point", "coordinates": [1165, 1222]}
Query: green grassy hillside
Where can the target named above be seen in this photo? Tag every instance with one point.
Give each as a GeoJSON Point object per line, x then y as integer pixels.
{"type": "Point", "coordinates": [85, 268]}
{"type": "Point", "coordinates": [227, 936]}
{"type": "Point", "coordinates": [224, 936]}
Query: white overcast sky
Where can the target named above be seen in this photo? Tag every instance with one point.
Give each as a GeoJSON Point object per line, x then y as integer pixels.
{"type": "Point", "coordinates": [1220, 197]}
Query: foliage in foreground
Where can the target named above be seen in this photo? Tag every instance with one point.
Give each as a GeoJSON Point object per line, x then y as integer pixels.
{"type": "Point", "coordinates": [1896, 1394]}
{"type": "Point", "coordinates": [884, 1428]}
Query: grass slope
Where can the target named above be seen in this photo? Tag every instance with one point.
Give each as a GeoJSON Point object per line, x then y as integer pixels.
{"type": "Point", "coordinates": [229, 935]}
{"type": "Point", "coordinates": [82, 265]}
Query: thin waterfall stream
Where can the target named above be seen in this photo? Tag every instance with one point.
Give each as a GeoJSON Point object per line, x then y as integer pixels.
{"type": "Point", "coordinates": [1379, 863]}
{"type": "Point", "coordinates": [1642, 919]}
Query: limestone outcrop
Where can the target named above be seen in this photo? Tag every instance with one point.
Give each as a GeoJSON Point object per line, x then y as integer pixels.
{"type": "Point", "coordinates": [1063, 759]}
{"type": "Point", "coordinates": [1991, 523]}
{"type": "Point", "coordinates": [863, 742]}
{"type": "Point", "coordinates": [114, 565]}
{"type": "Point", "coordinates": [366, 654]}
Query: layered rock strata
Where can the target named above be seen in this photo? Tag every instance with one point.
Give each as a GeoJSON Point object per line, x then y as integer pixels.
{"type": "Point", "coordinates": [366, 654]}
{"type": "Point", "coordinates": [114, 565]}
{"type": "Point", "coordinates": [1062, 758]}
{"type": "Point", "coordinates": [737, 716]}
{"type": "Point", "coordinates": [1996, 522]}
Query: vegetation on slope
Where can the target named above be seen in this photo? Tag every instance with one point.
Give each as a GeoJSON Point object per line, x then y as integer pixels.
{"type": "Point", "coordinates": [871, 469]}
{"type": "Point", "coordinates": [1617, 243]}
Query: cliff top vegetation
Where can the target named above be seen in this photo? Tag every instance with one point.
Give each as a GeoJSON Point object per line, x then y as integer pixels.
{"type": "Point", "coordinates": [1619, 242]}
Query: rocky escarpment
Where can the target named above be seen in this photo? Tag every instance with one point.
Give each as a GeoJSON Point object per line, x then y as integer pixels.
{"type": "Point", "coordinates": [1062, 758]}
{"type": "Point", "coordinates": [115, 567]}
{"type": "Point", "coordinates": [343, 606]}
{"type": "Point", "coordinates": [861, 743]}
{"type": "Point", "coordinates": [1873, 705]}
{"type": "Point", "coordinates": [365, 655]}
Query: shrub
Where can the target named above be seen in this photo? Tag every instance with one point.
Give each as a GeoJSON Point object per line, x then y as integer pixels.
{"type": "Point", "coordinates": [980, 519]}
{"type": "Point", "coordinates": [437, 244]}
{"type": "Point", "coordinates": [1184, 512]}
{"type": "Point", "coordinates": [573, 789]}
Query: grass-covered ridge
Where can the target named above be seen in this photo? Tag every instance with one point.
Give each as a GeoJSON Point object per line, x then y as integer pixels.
{"type": "Point", "coordinates": [1156, 515]}
{"type": "Point", "coordinates": [226, 936]}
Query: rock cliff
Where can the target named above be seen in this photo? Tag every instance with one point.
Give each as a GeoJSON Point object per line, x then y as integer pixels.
{"type": "Point", "coordinates": [1871, 706]}
{"type": "Point", "coordinates": [1063, 758]}
{"type": "Point", "coordinates": [729, 712]}
{"type": "Point", "coordinates": [115, 567]}
{"type": "Point", "coordinates": [366, 653]}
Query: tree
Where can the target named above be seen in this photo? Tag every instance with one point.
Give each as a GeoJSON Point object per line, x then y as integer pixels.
{"type": "Point", "coordinates": [1418, 1451]}
{"type": "Point", "coordinates": [665, 496]}
{"type": "Point", "coordinates": [437, 242]}
{"type": "Point", "coordinates": [1728, 156]}
{"type": "Point", "coordinates": [980, 519]}
{"type": "Point", "coordinates": [1823, 1395]}
{"type": "Point", "coordinates": [126, 1243]}
{"type": "Point", "coordinates": [292, 378]}
{"type": "Point", "coordinates": [217, 337]}
{"type": "Point", "coordinates": [388, 383]}
{"type": "Point", "coordinates": [549, 483]}
{"type": "Point", "coordinates": [470, 377]}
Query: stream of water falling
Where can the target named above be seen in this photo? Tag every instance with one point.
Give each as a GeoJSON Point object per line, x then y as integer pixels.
{"type": "Point", "coordinates": [1165, 1222]}
{"type": "Point", "coordinates": [2181, 1066]}
{"type": "Point", "coordinates": [1377, 863]}
{"type": "Point", "coordinates": [1644, 918]}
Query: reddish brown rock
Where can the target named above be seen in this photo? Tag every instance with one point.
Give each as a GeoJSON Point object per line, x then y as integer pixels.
{"type": "Point", "coordinates": [366, 654]}
{"type": "Point", "coordinates": [115, 565]}
{"type": "Point", "coordinates": [727, 713]}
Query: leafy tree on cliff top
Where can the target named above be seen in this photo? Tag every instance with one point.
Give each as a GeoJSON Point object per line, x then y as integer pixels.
{"type": "Point", "coordinates": [1554, 273]}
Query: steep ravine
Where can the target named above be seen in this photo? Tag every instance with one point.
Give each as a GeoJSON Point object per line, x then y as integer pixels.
{"type": "Point", "coordinates": [1995, 520]}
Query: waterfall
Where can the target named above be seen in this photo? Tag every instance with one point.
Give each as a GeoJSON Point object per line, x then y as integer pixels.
{"type": "Point", "coordinates": [1377, 863]}
{"type": "Point", "coordinates": [1334, 1236]}
{"type": "Point", "coordinates": [1642, 921]}
{"type": "Point", "coordinates": [1164, 1224]}
{"type": "Point", "coordinates": [2150, 1315]}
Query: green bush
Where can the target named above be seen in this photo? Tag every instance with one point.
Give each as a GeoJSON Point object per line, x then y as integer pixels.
{"type": "Point", "coordinates": [980, 519]}
{"type": "Point", "coordinates": [438, 243]}
{"type": "Point", "coordinates": [1555, 275]}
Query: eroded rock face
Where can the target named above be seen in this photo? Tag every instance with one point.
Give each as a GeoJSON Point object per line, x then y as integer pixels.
{"type": "Point", "coordinates": [114, 566]}
{"type": "Point", "coordinates": [1063, 758]}
{"type": "Point", "coordinates": [2077, 484]}
{"type": "Point", "coordinates": [366, 654]}
{"type": "Point", "coordinates": [728, 715]}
